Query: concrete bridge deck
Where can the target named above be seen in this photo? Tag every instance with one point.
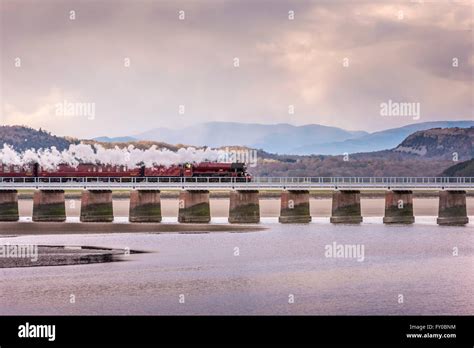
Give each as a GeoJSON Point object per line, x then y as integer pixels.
{"type": "Point", "coordinates": [241, 184]}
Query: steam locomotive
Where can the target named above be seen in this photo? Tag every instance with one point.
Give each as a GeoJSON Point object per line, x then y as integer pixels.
{"type": "Point", "coordinates": [191, 170]}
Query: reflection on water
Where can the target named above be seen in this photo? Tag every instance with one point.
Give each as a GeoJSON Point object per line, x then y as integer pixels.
{"type": "Point", "coordinates": [267, 270]}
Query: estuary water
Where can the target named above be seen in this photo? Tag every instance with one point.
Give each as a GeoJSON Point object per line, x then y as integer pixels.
{"type": "Point", "coordinates": [420, 269]}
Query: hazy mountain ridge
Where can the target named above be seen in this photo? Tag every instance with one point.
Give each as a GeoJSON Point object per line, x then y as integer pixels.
{"type": "Point", "coordinates": [288, 139]}
{"type": "Point", "coordinates": [276, 138]}
{"type": "Point", "coordinates": [115, 139]}
{"type": "Point", "coordinates": [386, 139]}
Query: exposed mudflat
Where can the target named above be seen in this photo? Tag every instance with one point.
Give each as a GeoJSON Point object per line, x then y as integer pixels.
{"type": "Point", "coordinates": [43, 255]}
{"type": "Point", "coordinates": [25, 228]}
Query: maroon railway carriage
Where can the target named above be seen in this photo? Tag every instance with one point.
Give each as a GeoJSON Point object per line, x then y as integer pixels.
{"type": "Point", "coordinates": [82, 170]}
{"type": "Point", "coordinates": [204, 169]}
{"type": "Point", "coordinates": [88, 170]}
{"type": "Point", "coordinates": [16, 171]}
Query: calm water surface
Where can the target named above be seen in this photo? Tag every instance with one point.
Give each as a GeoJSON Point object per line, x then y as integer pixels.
{"type": "Point", "coordinates": [414, 261]}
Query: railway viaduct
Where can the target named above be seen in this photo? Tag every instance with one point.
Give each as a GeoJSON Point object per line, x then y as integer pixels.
{"type": "Point", "coordinates": [145, 205]}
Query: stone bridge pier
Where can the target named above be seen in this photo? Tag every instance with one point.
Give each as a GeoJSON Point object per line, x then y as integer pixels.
{"type": "Point", "coordinates": [96, 206]}
{"type": "Point", "coordinates": [49, 205]}
{"type": "Point", "coordinates": [346, 207]}
{"type": "Point", "coordinates": [9, 205]}
{"type": "Point", "coordinates": [294, 207]}
{"type": "Point", "coordinates": [194, 206]}
{"type": "Point", "coordinates": [452, 208]}
{"type": "Point", "coordinates": [244, 207]}
{"type": "Point", "coordinates": [399, 207]}
{"type": "Point", "coordinates": [145, 206]}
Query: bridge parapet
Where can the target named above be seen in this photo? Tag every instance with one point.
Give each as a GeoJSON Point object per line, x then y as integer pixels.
{"type": "Point", "coordinates": [256, 183]}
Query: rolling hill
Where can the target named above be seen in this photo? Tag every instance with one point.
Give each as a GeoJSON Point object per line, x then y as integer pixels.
{"type": "Point", "coordinates": [465, 168]}
{"type": "Point", "coordinates": [23, 138]}
{"type": "Point", "coordinates": [440, 143]}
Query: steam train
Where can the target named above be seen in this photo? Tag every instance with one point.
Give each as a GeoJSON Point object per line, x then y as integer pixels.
{"type": "Point", "coordinates": [92, 171]}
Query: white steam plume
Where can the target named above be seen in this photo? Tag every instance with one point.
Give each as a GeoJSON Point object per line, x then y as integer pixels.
{"type": "Point", "coordinates": [97, 154]}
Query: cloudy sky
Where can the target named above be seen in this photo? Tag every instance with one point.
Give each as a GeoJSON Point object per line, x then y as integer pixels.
{"type": "Point", "coordinates": [136, 65]}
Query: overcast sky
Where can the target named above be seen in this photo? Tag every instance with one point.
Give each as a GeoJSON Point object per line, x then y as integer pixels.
{"type": "Point", "coordinates": [336, 62]}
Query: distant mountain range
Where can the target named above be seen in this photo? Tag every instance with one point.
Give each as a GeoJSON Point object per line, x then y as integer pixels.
{"type": "Point", "coordinates": [115, 140]}
{"type": "Point", "coordinates": [277, 138]}
{"type": "Point", "coordinates": [432, 152]}
{"type": "Point", "coordinates": [285, 138]}
{"type": "Point", "coordinates": [377, 141]}
{"type": "Point", "coordinates": [424, 153]}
